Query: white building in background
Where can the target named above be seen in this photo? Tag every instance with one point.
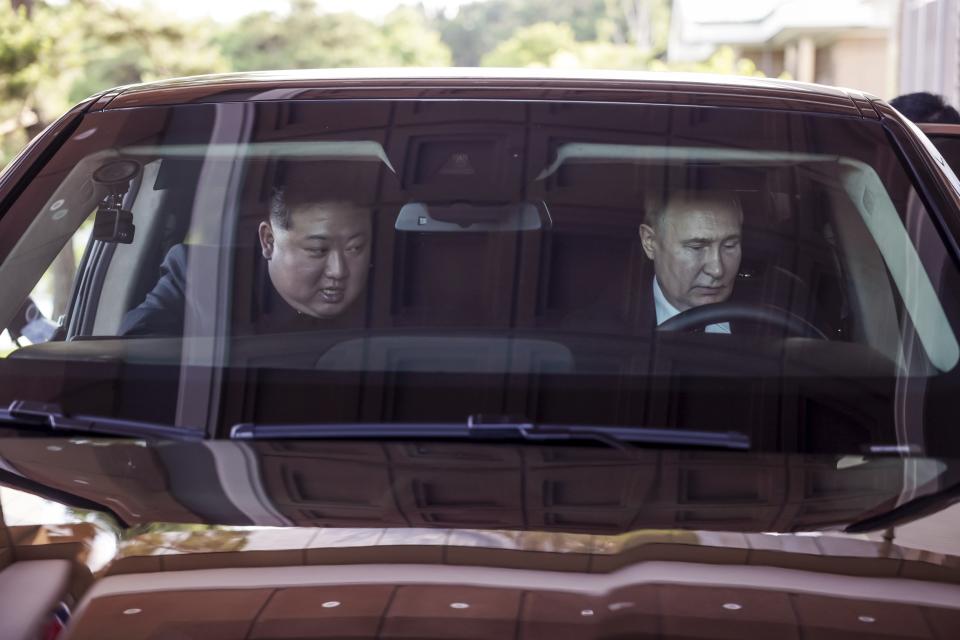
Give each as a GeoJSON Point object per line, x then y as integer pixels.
{"type": "Point", "coordinates": [929, 43]}
{"type": "Point", "coordinates": [850, 43]}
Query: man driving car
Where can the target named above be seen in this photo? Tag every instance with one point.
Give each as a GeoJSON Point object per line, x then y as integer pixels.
{"type": "Point", "coordinates": [693, 240]}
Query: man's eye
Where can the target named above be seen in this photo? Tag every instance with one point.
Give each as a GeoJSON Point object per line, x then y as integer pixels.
{"type": "Point", "coordinates": [733, 244]}
{"type": "Point", "coordinates": [318, 251]}
{"type": "Point", "coordinates": [696, 246]}
{"type": "Point", "coordinates": [357, 248]}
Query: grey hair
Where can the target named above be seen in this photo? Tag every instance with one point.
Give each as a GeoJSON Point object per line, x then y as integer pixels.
{"type": "Point", "coordinates": [656, 207]}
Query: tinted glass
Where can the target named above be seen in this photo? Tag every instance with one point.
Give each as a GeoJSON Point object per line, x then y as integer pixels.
{"type": "Point", "coordinates": [770, 273]}
{"type": "Point", "coordinates": [949, 146]}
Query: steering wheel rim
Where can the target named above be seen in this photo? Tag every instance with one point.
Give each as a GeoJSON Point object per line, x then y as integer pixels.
{"type": "Point", "coordinates": [704, 315]}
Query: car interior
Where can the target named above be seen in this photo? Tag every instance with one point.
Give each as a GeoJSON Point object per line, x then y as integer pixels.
{"type": "Point", "coordinates": [499, 249]}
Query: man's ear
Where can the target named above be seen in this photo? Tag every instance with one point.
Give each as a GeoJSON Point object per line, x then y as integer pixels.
{"type": "Point", "coordinates": [266, 239]}
{"type": "Point", "coordinates": [648, 238]}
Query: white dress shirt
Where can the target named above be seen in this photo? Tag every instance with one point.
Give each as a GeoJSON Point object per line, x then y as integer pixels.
{"type": "Point", "coordinates": [665, 311]}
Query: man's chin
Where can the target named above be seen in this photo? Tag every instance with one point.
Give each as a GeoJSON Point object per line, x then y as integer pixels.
{"type": "Point", "coordinates": [326, 311]}
{"type": "Point", "coordinates": [710, 297]}
{"type": "Point", "coordinates": [319, 308]}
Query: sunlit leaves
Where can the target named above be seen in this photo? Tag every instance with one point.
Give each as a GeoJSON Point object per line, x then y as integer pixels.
{"type": "Point", "coordinates": [554, 45]}
{"type": "Point", "coordinates": [22, 48]}
{"type": "Point", "coordinates": [305, 38]}
{"type": "Point", "coordinates": [63, 52]}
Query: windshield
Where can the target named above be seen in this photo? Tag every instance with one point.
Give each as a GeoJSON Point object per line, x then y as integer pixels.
{"type": "Point", "coordinates": [768, 273]}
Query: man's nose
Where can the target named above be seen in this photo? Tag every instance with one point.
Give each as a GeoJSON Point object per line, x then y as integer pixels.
{"type": "Point", "coordinates": [713, 266]}
{"type": "Point", "coordinates": [336, 265]}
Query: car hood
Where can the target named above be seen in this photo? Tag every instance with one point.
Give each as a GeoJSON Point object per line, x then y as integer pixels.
{"type": "Point", "coordinates": [442, 485]}
{"type": "Point", "coordinates": [364, 539]}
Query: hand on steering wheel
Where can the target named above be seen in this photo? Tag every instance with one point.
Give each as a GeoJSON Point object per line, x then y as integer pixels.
{"type": "Point", "coordinates": [768, 314]}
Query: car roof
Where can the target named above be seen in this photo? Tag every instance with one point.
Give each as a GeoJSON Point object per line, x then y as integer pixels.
{"type": "Point", "coordinates": [486, 83]}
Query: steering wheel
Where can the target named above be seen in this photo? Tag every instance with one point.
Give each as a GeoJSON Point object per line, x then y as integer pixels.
{"type": "Point", "coordinates": [699, 317]}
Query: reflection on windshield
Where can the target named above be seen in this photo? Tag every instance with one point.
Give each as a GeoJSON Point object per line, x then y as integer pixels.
{"type": "Point", "coordinates": [577, 264]}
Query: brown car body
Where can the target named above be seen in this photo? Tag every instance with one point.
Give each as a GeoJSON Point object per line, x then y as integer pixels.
{"type": "Point", "coordinates": [310, 539]}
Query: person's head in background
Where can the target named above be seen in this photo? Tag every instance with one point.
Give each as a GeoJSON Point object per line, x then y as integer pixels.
{"type": "Point", "coordinates": [925, 107]}
{"type": "Point", "coordinates": [317, 252]}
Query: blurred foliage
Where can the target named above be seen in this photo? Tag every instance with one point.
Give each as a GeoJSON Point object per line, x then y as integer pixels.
{"type": "Point", "coordinates": [119, 46]}
{"type": "Point", "coordinates": [22, 47]}
{"type": "Point", "coordinates": [54, 53]}
{"type": "Point", "coordinates": [304, 38]}
{"type": "Point", "coordinates": [535, 46]}
{"type": "Point", "coordinates": [548, 44]}
{"type": "Point", "coordinates": [724, 60]}
{"type": "Point", "coordinates": [164, 538]}
{"type": "Point", "coordinates": [24, 59]}
{"type": "Point", "coordinates": [479, 27]}
{"type": "Point", "coordinates": [644, 24]}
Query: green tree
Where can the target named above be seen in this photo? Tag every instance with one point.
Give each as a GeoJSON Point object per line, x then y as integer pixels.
{"type": "Point", "coordinates": [412, 41]}
{"type": "Point", "coordinates": [479, 27]}
{"type": "Point", "coordinates": [644, 24]}
{"type": "Point", "coordinates": [120, 45]}
{"type": "Point", "coordinates": [305, 38]}
{"type": "Point", "coordinates": [608, 55]}
{"type": "Point", "coordinates": [24, 56]}
{"type": "Point", "coordinates": [538, 45]}
{"type": "Point", "coordinates": [53, 55]}
{"type": "Point", "coordinates": [57, 54]}
{"type": "Point", "coordinates": [724, 60]}
{"type": "Point", "coordinates": [549, 44]}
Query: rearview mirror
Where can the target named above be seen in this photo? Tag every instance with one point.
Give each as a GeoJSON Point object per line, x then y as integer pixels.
{"type": "Point", "coordinates": [460, 217]}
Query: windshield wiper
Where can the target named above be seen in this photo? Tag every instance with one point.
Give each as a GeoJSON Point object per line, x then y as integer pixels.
{"type": "Point", "coordinates": [475, 429]}
{"type": "Point", "coordinates": [911, 510]}
{"type": "Point", "coordinates": [50, 418]}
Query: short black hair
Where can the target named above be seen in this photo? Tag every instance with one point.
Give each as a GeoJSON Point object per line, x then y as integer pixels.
{"type": "Point", "coordinates": [925, 107]}
{"type": "Point", "coordinates": [279, 212]}
{"type": "Point", "coordinates": [283, 204]}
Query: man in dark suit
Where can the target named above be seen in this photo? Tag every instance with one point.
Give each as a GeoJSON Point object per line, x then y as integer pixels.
{"type": "Point", "coordinates": [317, 256]}
{"type": "Point", "coordinates": [693, 240]}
